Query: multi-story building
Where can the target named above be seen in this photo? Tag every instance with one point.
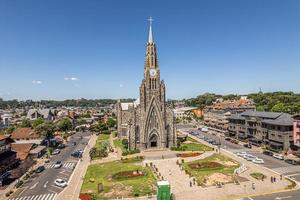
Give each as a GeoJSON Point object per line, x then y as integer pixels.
{"type": "Point", "coordinates": [216, 116]}
{"type": "Point", "coordinates": [296, 130]}
{"type": "Point", "coordinates": [46, 114]}
{"type": "Point", "coordinates": [183, 112]}
{"type": "Point", "coordinates": [8, 157]}
{"type": "Point", "coordinates": [270, 128]}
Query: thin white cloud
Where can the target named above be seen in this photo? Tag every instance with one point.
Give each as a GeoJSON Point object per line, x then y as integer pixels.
{"type": "Point", "coordinates": [71, 79]}
{"type": "Point", "coordinates": [36, 82]}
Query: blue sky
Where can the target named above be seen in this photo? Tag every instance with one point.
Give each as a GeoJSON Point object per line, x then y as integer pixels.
{"type": "Point", "coordinates": [62, 49]}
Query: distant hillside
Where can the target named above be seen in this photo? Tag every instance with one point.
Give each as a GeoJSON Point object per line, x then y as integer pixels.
{"type": "Point", "coordinates": [288, 102]}
{"type": "Point", "coordinates": [53, 103]}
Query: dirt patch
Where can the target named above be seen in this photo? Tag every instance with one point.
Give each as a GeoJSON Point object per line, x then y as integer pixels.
{"type": "Point", "coordinates": [218, 177]}
{"type": "Point", "coordinates": [205, 165]}
{"type": "Point", "coordinates": [128, 174]}
{"type": "Point", "coordinates": [227, 163]}
{"type": "Point", "coordinates": [118, 190]}
{"type": "Point", "coordinates": [188, 142]}
{"type": "Point", "coordinates": [186, 155]}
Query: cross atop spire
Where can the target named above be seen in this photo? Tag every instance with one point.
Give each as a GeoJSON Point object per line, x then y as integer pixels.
{"type": "Point", "coordinates": [150, 38]}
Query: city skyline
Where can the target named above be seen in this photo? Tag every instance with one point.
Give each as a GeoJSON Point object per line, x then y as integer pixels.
{"type": "Point", "coordinates": [64, 50]}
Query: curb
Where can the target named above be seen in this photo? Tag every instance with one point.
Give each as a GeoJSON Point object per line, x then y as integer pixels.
{"type": "Point", "coordinates": [260, 194]}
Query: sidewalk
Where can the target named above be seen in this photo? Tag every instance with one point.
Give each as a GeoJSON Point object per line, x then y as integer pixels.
{"type": "Point", "coordinates": [76, 179]}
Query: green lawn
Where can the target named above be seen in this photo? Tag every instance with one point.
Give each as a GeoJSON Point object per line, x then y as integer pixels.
{"type": "Point", "coordinates": [103, 137]}
{"type": "Point", "coordinates": [102, 173]}
{"type": "Point", "coordinates": [195, 147]}
{"type": "Point", "coordinates": [192, 145]}
{"type": "Point", "coordinates": [201, 174]}
{"type": "Point", "coordinates": [118, 143]}
{"type": "Point", "coordinates": [258, 175]}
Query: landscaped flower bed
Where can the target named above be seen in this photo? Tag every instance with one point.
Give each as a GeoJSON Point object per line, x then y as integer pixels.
{"type": "Point", "coordinates": [85, 197]}
{"type": "Point", "coordinates": [205, 165]}
{"type": "Point", "coordinates": [128, 174]}
{"type": "Point", "coordinates": [186, 155]}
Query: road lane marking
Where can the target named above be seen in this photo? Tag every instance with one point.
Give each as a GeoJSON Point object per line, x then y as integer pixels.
{"type": "Point", "coordinates": [45, 185]}
{"type": "Point", "coordinates": [34, 185]}
{"type": "Point", "coordinates": [287, 197]}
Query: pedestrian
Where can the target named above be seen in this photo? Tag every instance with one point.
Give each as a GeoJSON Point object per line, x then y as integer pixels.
{"type": "Point", "coordinates": [271, 179]}
{"type": "Point", "coordinates": [274, 179]}
{"type": "Point", "coordinates": [280, 176]}
{"type": "Point", "coordinates": [191, 183]}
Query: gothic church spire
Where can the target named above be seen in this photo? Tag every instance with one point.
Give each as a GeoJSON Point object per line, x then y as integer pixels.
{"type": "Point", "coordinates": [150, 38]}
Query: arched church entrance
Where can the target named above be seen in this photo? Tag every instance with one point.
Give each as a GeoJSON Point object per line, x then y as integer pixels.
{"type": "Point", "coordinates": [153, 140]}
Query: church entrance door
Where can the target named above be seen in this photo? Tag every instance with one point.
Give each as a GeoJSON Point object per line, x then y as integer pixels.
{"type": "Point", "coordinates": [153, 141]}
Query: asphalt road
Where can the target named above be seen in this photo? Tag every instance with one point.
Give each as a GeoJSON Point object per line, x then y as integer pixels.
{"type": "Point", "coordinates": [41, 186]}
{"type": "Point", "coordinates": [291, 195]}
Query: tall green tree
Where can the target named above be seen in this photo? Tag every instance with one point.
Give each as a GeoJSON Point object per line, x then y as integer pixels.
{"type": "Point", "coordinates": [64, 124]}
{"type": "Point", "coordinates": [46, 129]}
{"type": "Point", "coordinates": [111, 122]}
{"type": "Point", "coordinates": [37, 122]}
{"type": "Point", "coordinates": [25, 123]}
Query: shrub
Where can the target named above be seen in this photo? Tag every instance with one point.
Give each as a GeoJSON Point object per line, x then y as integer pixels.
{"type": "Point", "coordinates": [129, 152]}
{"type": "Point", "coordinates": [105, 132]}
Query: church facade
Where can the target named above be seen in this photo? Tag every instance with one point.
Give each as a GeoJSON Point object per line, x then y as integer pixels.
{"type": "Point", "coordinates": [148, 122]}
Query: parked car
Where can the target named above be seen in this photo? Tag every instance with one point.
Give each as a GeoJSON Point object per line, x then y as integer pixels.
{"type": "Point", "coordinates": [292, 162]}
{"type": "Point", "coordinates": [55, 152]}
{"type": "Point", "coordinates": [227, 139]}
{"type": "Point", "coordinates": [58, 164]}
{"type": "Point", "coordinates": [250, 157]}
{"type": "Point", "coordinates": [40, 169]}
{"type": "Point", "coordinates": [210, 141]}
{"type": "Point", "coordinates": [258, 161]}
{"type": "Point", "coordinates": [241, 154]}
{"type": "Point", "coordinates": [47, 161]}
{"type": "Point", "coordinates": [216, 142]}
{"type": "Point", "coordinates": [61, 146]}
{"type": "Point", "coordinates": [248, 145]}
{"type": "Point", "coordinates": [234, 141]}
{"type": "Point", "coordinates": [278, 156]}
{"type": "Point", "coordinates": [60, 182]}
{"type": "Point", "coordinates": [268, 153]}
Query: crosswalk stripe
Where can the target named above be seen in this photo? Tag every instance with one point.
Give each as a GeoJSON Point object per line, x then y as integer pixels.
{"type": "Point", "coordinates": [48, 196]}
{"type": "Point", "coordinates": [36, 197]}
{"type": "Point", "coordinates": [32, 197]}
{"type": "Point", "coordinates": [52, 196]}
{"type": "Point", "coordinates": [65, 165]}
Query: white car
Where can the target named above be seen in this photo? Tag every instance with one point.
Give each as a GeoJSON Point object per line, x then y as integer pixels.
{"type": "Point", "coordinates": [55, 152]}
{"type": "Point", "coordinates": [250, 157]}
{"type": "Point", "coordinates": [60, 182]}
{"type": "Point", "coordinates": [241, 154]}
{"type": "Point", "coordinates": [258, 161]}
{"type": "Point", "coordinates": [58, 164]}
{"type": "Point", "coordinates": [278, 156]}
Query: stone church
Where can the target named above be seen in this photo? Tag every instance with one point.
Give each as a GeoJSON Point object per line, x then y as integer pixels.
{"type": "Point", "coordinates": [148, 122]}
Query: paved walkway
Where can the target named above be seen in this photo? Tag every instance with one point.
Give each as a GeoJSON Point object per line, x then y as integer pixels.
{"type": "Point", "coordinates": [170, 171]}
